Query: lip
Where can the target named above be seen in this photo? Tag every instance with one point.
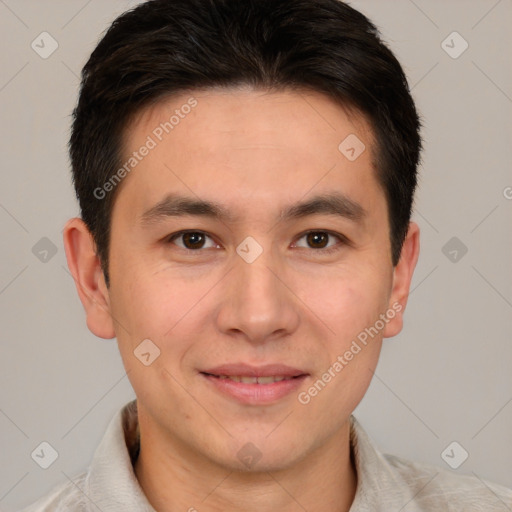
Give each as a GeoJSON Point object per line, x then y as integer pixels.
{"type": "Point", "coordinates": [255, 394]}
{"type": "Point", "coordinates": [247, 370]}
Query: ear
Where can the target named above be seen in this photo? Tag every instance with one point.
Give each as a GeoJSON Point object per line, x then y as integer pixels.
{"type": "Point", "coordinates": [402, 277]}
{"type": "Point", "coordinates": [85, 268]}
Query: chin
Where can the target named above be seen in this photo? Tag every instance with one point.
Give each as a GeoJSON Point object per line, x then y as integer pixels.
{"type": "Point", "coordinates": [258, 454]}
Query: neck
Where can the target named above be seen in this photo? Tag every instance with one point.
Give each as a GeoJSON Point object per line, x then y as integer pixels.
{"type": "Point", "coordinates": [175, 477]}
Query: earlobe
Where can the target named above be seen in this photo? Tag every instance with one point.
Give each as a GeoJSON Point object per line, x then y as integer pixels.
{"type": "Point", "coordinates": [402, 277]}
{"type": "Point", "coordinates": [85, 268]}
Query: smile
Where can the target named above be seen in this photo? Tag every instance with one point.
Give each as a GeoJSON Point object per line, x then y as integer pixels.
{"type": "Point", "coordinates": [253, 380]}
{"type": "Point", "coordinates": [250, 390]}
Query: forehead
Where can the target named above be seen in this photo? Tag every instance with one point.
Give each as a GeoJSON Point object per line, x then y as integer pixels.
{"type": "Point", "coordinates": [263, 144]}
{"type": "Point", "coordinates": [243, 113]}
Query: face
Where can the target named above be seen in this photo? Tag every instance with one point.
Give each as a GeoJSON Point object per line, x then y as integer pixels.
{"type": "Point", "coordinates": [256, 283]}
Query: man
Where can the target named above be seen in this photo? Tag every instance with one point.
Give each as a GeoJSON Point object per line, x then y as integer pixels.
{"type": "Point", "coordinates": [245, 172]}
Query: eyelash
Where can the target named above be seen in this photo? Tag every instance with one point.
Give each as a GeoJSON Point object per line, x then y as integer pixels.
{"type": "Point", "coordinates": [343, 240]}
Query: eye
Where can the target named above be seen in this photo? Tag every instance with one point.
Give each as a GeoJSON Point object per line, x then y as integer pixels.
{"type": "Point", "coordinates": [191, 240]}
{"type": "Point", "coordinates": [319, 240]}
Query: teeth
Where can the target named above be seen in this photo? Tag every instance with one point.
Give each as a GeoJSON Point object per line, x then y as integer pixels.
{"type": "Point", "coordinates": [269, 380]}
{"type": "Point", "coordinates": [254, 380]}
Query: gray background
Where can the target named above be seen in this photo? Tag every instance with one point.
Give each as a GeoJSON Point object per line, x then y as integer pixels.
{"type": "Point", "coordinates": [447, 377]}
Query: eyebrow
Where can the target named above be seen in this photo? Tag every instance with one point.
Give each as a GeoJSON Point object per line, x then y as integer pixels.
{"type": "Point", "coordinates": [174, 205]}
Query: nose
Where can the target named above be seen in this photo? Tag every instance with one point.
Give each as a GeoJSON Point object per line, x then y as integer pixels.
{"type": "Point", "coordinates": [258, 302]}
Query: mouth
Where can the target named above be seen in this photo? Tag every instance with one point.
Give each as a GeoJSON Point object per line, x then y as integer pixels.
{"type": "Point", "coordinates": [255, 385]}
{"type": "Point", "coordinates": [253, 380]}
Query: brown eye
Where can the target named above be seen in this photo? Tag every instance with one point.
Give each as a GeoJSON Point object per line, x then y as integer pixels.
{"type": "Point", "coordinates": [190, 240]}
{"type": "Point", "coordinates": [317, 239]}
{"type": "Point", "coordinates": [323, 241]}
{"type": "Point", "coordinates": [193, 240]}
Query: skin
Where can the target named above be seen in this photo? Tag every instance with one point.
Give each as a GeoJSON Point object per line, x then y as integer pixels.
{"type": "Point", "coordinates": [255, 152]}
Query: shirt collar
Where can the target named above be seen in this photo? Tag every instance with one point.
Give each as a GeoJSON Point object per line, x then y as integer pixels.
{"type": "Point", "coordinates": [380, 487]}
{"type": "Point", "coordinates": [111, 483]}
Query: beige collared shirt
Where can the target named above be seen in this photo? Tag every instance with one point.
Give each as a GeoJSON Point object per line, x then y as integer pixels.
{"type": "Point", "coordinates": [385, 483]}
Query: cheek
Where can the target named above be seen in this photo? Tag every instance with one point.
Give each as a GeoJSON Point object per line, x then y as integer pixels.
{"type": "Point", "coordinates": [347, 301]}
{"type": "Point", "coordinates": [148, 300]}
{"type": "Point", "coordinates": [151, 309]}
{"type": "Point", "coordinates": [163, 307]}
{"type": "Point", "coordinates": [352, 347]}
